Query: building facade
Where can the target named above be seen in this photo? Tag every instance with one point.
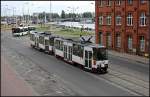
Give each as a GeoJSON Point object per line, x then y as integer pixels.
{"type": "Point", "coordinates": [123, 25]}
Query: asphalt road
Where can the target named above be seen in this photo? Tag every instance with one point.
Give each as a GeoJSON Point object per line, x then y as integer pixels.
{"type": "Point", "coordinates": [81, 82]}
{"type": "Point", "coordinates": [130, 67]}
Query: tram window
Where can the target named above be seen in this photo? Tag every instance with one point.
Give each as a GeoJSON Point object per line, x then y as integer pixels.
{"type": "Point", "coordinates": [99, 54]}
{"type": "Point", "coordinates": [61, 45]}
{"type": "Point", "coordinates": [86, 54]}
{"type": "Point", "coordinates": [58, 45]}
{"type": "Point", "coordinates": [51, 41]}
{"type": "Point", "coordinates": [32, 37]}
{"type": "Point", "coordinates": [90, 55]}
{"type": "Point", "coordinates": [78, 50]}
{"type": "Point", "coordinates": [21, 30]}
{"type": "Point", "coordinates": [41, 40]}
{"type": "Point", "coordinates": [81, 51]}
{"type": "Point", "coordinates": [31, 28]}
{"type": "Point", "coordinates": [15, 30]}
{"type": "Point", "coordinates": [25, 29]}
{"type": "Point", "coordinates": [46, 42]}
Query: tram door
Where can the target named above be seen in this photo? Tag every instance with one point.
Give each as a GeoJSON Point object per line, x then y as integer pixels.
{"type": "Point", "coordinates": [36, 42]}
{"type": "Point", "coordinates": [46, 45]}
{"type": "Point", "coordinates": [88, 59]}
{"type": "Point", "coordinates": [65, 52]}
{"type": "Point", "coordinates": [68, 52]}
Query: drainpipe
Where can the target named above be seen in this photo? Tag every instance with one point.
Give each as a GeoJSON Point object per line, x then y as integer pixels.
{"type": "Point", "coordinates": [125, 24]}
{"type": "Point", "coordinates": [96, 22]}
{"type": "Point", "coordinates": [149, 31]}
{"type": "Point", "coordinates": [137, 40]}
{"type": "Point", "coordinates": [114, 42]}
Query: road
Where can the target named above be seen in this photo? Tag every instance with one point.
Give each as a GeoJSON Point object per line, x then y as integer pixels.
{"type": "Point", "coordinates": [81, 82]}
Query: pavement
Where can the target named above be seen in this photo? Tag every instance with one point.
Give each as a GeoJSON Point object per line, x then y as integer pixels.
{"type": "Point", "coordinates": [11, 83]}
{"type": "Point", "coordinates": [130, 57]}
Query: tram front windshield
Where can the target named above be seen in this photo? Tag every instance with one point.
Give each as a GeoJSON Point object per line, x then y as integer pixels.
{"type": "Point", "coordinates": [16, 30]}
{"type": "Point", "coordinates": [100, 54]}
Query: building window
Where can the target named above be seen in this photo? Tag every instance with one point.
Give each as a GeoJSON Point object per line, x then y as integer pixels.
{"type": "Point", "coordinates": [108, 20]}
{"type": "Point", "coordinates": [143, 19]}
{"type": "Point", "coordinates": [118, 20]}
{"type": "Point", "coordinates": [100, 38]}
{"type": "Point", "coordinates": [129, 42]}
{"type": "Point", "coordinates": [101, 3]}
{"type": "Point", "coordinates": [142, 1]}
{"type": "Point", "coordinates": [101, 20]}
{"type": "Point", "coordinates": [118, 2]}
{"type": "Point", "coordinates": [129, 19]}
{"type": "Point", "coordinates": [130, 2]}
{"type": "Point", "coordinates": [142, 43]}
{"type": "Point", "coordinates": [108, 41]}
{"type": "Point", "coordinates": [118, 40]}
{"type": "Point", "coordinates": [109, 3]}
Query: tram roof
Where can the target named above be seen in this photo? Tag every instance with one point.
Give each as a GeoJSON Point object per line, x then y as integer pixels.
{"type": "Point", "coordinates": [97, 46]}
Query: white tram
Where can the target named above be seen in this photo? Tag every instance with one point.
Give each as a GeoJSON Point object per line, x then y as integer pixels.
{"type": "Point", "coordinates": [90, 56]}
{"type": "Point", "coordinates": [19, 31]}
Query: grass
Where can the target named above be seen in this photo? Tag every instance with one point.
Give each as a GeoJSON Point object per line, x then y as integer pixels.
{"type": "Point", "coordinates": [66, 32]}
{"type": "Point", "coordinates": [42, 27]}
{"type": "Point", "coordinates": [6, 27]}
{"type": "Point", "coordinates": [71, 32]}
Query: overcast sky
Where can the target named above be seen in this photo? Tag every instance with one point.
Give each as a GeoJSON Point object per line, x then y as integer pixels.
{"type": "Point", "coordinates": [41, 6]}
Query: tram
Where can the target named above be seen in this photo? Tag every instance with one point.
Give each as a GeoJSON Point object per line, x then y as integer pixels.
{"type": "Point", "coordinates": [20, 31]}
{"type": "Point", "coordinates": [93, 57]}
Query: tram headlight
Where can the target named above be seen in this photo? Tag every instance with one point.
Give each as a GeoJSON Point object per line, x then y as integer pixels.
{"type": "Point", "coordinates": [102, 65]}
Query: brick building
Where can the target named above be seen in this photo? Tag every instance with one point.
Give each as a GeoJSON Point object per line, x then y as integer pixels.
{"type": "Point", "coordinates": [123, 25]}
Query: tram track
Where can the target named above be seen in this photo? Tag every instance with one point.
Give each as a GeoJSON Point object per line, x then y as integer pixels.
{"type": "Point", "coordinates": [110, 77]}
{"type": "Point", "coordinates": [145, 83]}
{"type": "Point", "coordinates": [141, 88]}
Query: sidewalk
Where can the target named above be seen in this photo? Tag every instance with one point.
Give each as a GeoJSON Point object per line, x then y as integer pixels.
{"type": "Point", "coordinates": [11, 83]}
{"type": "Point", "coordinates": [130, 57]}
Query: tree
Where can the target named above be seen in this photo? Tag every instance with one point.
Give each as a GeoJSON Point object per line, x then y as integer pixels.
{"type": "Point", "coordinates": [87, 15]}
{"type": "Point", "coordinates": [55, 15]}
{"type": "Point", "coordinates": [41, 16]}
{"type": "Point", "coordinates": [63, 14]}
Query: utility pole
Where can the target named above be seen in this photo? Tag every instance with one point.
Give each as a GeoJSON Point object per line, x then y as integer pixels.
{"type": "Point", "coordinates": [23, 15]}
{"type": "Point", "coordinates": [13, 15]}
{"type": "Point", "coordinates": [50, 15]}
{"type": "Point", "coordinates": [6, 13]}
{"type": "Point", "coordinates": [28, 16]}
{"type": "Point", "coordinates": [45, 17]}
